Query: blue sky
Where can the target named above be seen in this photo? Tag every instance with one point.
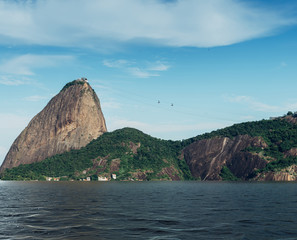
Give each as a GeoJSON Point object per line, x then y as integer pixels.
{"type": "Point", "coordinates": [219, 62]}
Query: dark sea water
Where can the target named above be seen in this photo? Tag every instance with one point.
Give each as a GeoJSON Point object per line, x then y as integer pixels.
{"type": "Point", "coordinates": [147, 210]}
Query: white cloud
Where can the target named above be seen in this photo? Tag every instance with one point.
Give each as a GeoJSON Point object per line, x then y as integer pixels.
{"type": "Point", "coordinates": [250, 102]}
{"type": "Point", "coordinates": [24, 64]}
{"type": "Point", "coordinates": [93, 23]}
{"type": "Point", "coordinates": [115, 63]}
{"type": "Point", "coordinates": [253, 104]}
{"type": "Point", "coordinates": [291, 106]}
{"type": "Point", "coordinates": [14, 80]}
{"type": "Point", "coordinates": [19, 70]}
{"type": "Point", "coordinates": [35, 98]}
{"type": "Point", "coordinates": [158, 66]}
{"type": "Point", "coordinates": [163, 127]}
{"type": "Point", "coordinates": [139, 73]}
{"type": "Point", "coordinates": [110, 105]}
{"type": "Point", "coordinates": [18, 66]}
{"type": "Point", "coordinates": [149, 69]}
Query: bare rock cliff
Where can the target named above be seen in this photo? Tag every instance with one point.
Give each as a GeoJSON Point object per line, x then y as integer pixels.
{"type": "Point", "coordinates": [287, 174]}
{"type": "Point", "coordinates": [207, 157]}
{"type": "Point", "coordinates": [70, 120]}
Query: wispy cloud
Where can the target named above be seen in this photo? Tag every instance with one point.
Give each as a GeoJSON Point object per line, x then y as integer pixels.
{"type": "Point", "coordinates": [110, 105]}
{"type": "Point", "coordinates": [116, 63]}
{"type": "Point", "coordinates": [148, 69]}
{"type": "Point", "coordinates": [93, 23]}
{"type": "Point", "coordinates": [158, 66]}
{"type": "Point", "coordinates": [24, 64]}
{"type": "Point", "coordinates": [291, 106]}
{"type": "Point", "coordinates": [35, 98]}
{"type": "Point", "coordinates": [164, 127]}
{"type": "Point", "coordinates": [10, 80]}
{"type": "Point", "coordinates": [253, 103]}
{"type": "Point", "coordinates": [19, 70]}
{"type": "Point", "coordinates": [140, 73]}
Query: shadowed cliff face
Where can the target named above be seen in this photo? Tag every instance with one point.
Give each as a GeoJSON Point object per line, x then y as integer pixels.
{"type": "Point", "coordinates": [207, 157]}
{"type": "Point", "coordinates": [70, 120]}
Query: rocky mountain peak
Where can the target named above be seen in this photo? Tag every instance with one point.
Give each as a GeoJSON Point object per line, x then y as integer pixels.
{"type": "Point", "coordinates": [70, 120]}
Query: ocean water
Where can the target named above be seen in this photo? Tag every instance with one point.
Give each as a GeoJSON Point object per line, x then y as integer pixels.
{"type": "Point", "coordinates": [148, 210]}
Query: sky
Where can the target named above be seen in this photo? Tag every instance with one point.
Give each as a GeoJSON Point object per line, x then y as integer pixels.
{"type": "Point", "coordinates": [173, 69]}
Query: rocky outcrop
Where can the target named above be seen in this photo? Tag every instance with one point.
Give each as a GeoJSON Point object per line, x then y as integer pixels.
{"type": "Point", "coordinates": [115, 165]}
{"type": "Point", "coordinates": [286, 174]}
{"type": "Point", "coordinates": [290, 118]}
{"type": "Point", "coordinates": [291, 153]}
{"type": "Point", "coordinates": [170, 172]}
{"type": "Point", "coordinates": [70, 120]}
{"type": "Point", "coordinates": [207, 157]}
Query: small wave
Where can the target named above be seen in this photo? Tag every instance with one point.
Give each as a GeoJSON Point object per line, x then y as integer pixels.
{"type": "Point", "coordinates": [293, 238]}
{"type": "Point", "coordinates": [34, 215]}
{"type": "Point", "coordinates": [168, 222]}
{"type": "Point", "coordinates": [53, 228]}
{"type": "Point", "coordinates": [194, 230]}
{"type": "Point", "coordinates": [247, 221]}
{"type": "Point", "coordinates": [171, 237]}
{"type": "Point", "coordinates": [140, 229]}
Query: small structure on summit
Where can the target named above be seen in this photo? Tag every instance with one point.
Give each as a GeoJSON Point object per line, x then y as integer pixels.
{"type": "Point", "coordinates": [83, 79]}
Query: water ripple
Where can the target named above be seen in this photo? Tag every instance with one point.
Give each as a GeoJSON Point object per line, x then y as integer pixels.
{"type": "Point", "coordinates": [147, 211]}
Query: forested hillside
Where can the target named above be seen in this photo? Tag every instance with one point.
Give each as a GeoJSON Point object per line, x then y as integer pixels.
{"type": "Point", "coordinates": [280, 134]}
{"type": "Point", "coordinates": [127, 152]}
{"type": "Point", "coordinates": [133, 155]}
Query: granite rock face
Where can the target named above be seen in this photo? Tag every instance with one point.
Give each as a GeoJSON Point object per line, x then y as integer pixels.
{"type": "Point", "coordinates": [287, 174]}
{"type": "Point", "coordinates": [207, 157]}
{"type": "Point", "coordinates": [70, 120]}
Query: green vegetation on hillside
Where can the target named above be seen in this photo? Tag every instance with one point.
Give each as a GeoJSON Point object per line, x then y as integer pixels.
{"type": "Point", "coordinates": [227, 175]}
{"type": "Point", "coordinates": [279, 134]}
{"type": "Point", "coordinates": [130, 154]}
{"type": "Point", "coordinates": [74, 82]}
{"type": "Point", "coordinates": [150, 156]}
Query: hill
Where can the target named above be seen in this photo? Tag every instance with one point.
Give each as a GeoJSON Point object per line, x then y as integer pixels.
{"type": "Point", "coordinates": [128, 153]}
{"type": "Point", "coordinates": [263, 150]}
{"type": "Point", "coordinates": [260, 150]}
{"type": "Point", "coordinates": [70, 120]}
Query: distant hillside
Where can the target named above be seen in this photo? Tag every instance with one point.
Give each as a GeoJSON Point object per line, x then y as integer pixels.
{"type": "Point", "coordinates": [260, 150]}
